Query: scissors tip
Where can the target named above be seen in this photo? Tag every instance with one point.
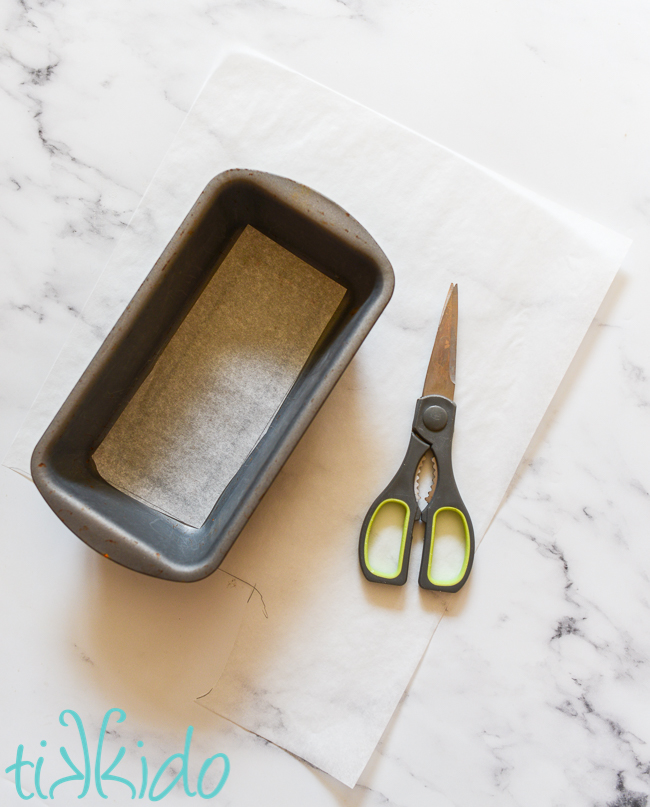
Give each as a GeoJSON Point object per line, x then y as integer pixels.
{"type": "Point", "coordinates": [452, 297]}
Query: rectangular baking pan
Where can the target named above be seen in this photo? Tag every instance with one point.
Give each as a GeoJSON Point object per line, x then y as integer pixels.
{"type": "Point", "coordinates": [127, 530]}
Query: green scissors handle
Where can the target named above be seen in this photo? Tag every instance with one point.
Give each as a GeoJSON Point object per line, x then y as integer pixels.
{"type": "Point", "coordinates": [433, 428]}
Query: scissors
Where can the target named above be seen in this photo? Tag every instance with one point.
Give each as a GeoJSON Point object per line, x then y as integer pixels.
{"type": "Point", "coordinates": [432, 430]}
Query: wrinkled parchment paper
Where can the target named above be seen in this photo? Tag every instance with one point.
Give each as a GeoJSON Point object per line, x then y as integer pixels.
{"type": "Point", "coordinates": [321, 669]}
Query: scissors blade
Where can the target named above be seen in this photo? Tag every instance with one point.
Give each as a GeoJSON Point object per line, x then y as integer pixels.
{"type": "Point", "coordinates": [441, 374]}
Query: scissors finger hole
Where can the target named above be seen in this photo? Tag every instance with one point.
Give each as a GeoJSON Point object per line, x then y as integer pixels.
{"type": "Point", "coordinates": [386, 538]}
{"type": "Point", "coordinates": [449, 548]}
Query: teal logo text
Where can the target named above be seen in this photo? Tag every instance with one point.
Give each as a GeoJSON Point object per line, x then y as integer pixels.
{"type": "Point", "coordinates": [96, 772]}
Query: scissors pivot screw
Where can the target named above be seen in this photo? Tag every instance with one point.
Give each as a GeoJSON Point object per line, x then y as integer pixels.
{"type": "Point", "coordinates": [434, 418]}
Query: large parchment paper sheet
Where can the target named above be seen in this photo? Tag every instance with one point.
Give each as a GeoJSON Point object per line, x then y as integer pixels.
{"type": "Point", "coordinates": [321, 669]}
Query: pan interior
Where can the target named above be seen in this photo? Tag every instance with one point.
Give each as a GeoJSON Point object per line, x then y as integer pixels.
{"type": "Point", "coordinates": [220, 380]}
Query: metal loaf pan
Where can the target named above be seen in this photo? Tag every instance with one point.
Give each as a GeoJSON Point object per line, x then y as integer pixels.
{"type": "Point", "coordinates": [123, 528]}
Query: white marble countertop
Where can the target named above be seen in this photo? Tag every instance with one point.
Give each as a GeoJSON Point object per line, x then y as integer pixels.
{"type": "Point", "coordinates": [536, 690]}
